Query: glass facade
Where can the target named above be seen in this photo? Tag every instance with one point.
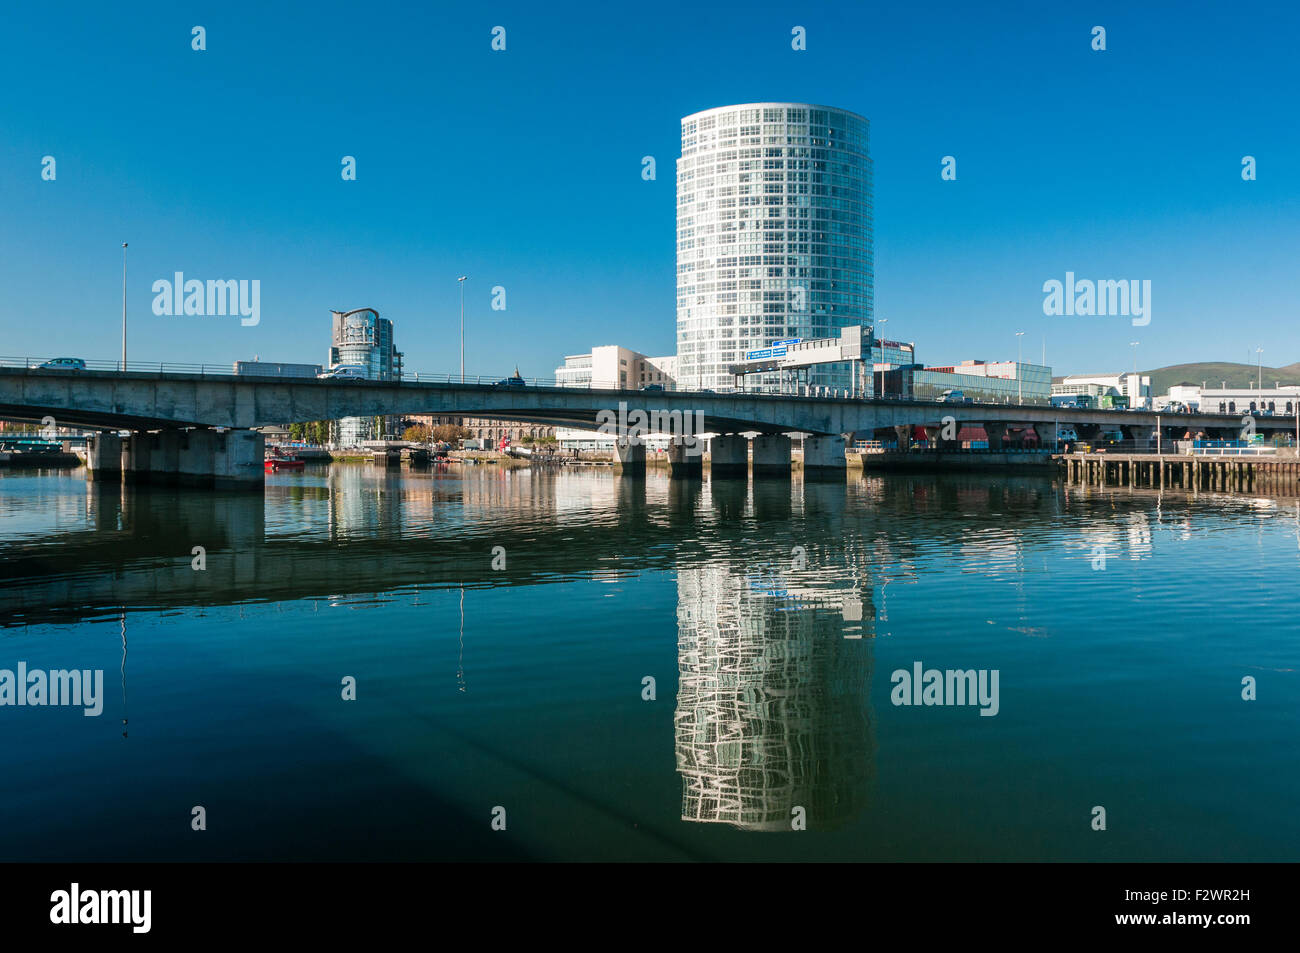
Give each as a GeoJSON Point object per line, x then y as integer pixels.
{"type": "Point", "coordinates": [1004, 383]}
{"type": "Point", "coordinates": [363, 338]}
{"type": "Point", "coordinates": [774, 235]}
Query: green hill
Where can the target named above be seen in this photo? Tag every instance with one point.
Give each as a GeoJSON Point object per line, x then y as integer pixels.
{"type": "Point", "coordinates": [1214, 373]}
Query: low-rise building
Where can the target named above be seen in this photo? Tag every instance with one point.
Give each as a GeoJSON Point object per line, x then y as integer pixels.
{"type": "Point", "coordinates": [592, 440]}
{"type": "Point", "coordinates": [613, 367]}
{"type": "Point", "coordinates": [491, 432]}
{"type": "Point", "coordinates": [1278, 399]}
{"type": "Point", "coordinates": [794, 365]}
{"type": "Point", "coordinates": [998, 381]}
{"type": "Point", "coordinates": [1136, 387]}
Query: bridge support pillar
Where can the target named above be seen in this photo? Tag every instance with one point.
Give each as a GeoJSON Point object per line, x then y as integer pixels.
{"type": "Point", "coordinates": [104, 457]}
{"type": "Point", "coordinates": [997, 432]}
{"type": "Point", "coordinates": [823, 457]}
{"type": "Point", "coordinates": [772, 455]}
{"type": "Point", "coordinates": [137, 457]}
{"type": "Point", "coordinates": [729, 456]}
{"type": "Point", "coordinates": [1047, 435]}
{"type": "Point", "coordinates": [685, 458]}
{"type": "Point", "coordinates": [1088, 432]}
{"type": "Point", "coordinates": [165, 457]}
{"type": "Point", "coordinates": [904, 436]}
{"type": "Point", "coordinates": [194, 458]}
{"type": "Point", "coordinates": [238, 460]}
{"type": "Point", "coordinates": [629, 456]}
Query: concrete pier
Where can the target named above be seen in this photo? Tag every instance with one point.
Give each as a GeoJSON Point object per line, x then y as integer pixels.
{"type": "Point", "coordinates": [729, 456]}
{"type": "Point", "coordinates": [685, 458]}
{"type": "Point", "coordinates": [997, 433]}
{"type": "Point", "coordinates": [104, 457]}
{"type": "Point", "coordinates": [823, 457]}
{"type": "Point", "coordinates": [165, 458]}
{"type": "Point", "coordinates": [137, 457]}
{"type": "Point", "coordinates": [238, 460]}
{"type": "Point", "coordinates": [197, 450]}
{"type": "Point", "coordinates": [231, 459]}
{"type": "Point", "coordinates": [772, 455]}
{"type": "Point", "coordinates": [629, 456]}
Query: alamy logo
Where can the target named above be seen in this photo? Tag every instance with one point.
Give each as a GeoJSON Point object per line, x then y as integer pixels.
{"type": "Point", "coordinates": [213, 298]}
{"type": "Point", "coordinates": [58, 687]}
{"type": "Point", "coordinates": [74, 906]}
{"type": "Point", "coordinates": [1126, 298]}
{"type": "Point", "coordinates": [634, 426]}
{"type": "Point", "coordinates": [951, 687]}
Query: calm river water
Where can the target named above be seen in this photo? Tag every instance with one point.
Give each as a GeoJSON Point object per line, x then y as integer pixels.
{"type": "Point", "coordinates": [620, 669]}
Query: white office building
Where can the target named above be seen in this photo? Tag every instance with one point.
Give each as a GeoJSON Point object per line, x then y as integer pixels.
{"type": "Point", "coordinates": [612, 367]}
{"type": "Point", "coordinates": [774, 236]}
{"type": "Point", "coordinates": [1281, 400]}
{"type": "Point", "coordinates": [1136, 387]}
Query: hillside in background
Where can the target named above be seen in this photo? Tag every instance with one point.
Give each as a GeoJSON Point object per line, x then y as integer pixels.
{"type": "Point", "coordinates": [1214, 373]}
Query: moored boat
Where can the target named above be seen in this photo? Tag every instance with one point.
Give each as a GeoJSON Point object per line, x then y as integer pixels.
{"type": "Point", "coordinates": [277, 459]}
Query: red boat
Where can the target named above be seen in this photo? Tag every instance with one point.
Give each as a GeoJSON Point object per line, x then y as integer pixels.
{"type": "Point", "coordinates": [277, 459]}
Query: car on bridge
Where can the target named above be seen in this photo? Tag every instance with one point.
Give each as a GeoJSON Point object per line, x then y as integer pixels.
{"type": "Point", "coordinates": [515, 381]}
{"type": "Point", "coordinates": [656, 388]}
{"type": "Point", "coordinates": [63, 364]}
{"type": "Point", "coordinates": [951, 396]}
{"type": "Point", "coordinates": [344, 372]}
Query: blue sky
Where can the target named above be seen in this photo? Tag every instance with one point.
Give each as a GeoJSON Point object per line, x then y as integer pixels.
{"type": "Point", "coordinates": [522, 169]}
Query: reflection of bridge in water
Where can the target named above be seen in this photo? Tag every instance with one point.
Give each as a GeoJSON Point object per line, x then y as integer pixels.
{"type": "Point", "coordinates": [109, 547]}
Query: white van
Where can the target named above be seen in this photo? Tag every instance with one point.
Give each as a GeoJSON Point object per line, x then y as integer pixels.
{"type": "Point", "coordinates": [344, 372]}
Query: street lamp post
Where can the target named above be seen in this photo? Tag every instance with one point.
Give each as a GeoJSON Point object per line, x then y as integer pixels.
{"type": "Point", "coordinates": [461, 280]}
{"type": "Point", "coordinates": [1137, 383]}
{"type": "Point", "coordinates": [1259, 381]}
{"type": "Point", "coordinates": [124, 307]}
{"type": "Point", "coordinates": [881, 341]}
{"type": "Point", "coordinates": [1020, 389]}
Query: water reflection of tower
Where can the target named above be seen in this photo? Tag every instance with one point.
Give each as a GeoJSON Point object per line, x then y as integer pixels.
{"type": "Point", "coordinates": [771, 703]}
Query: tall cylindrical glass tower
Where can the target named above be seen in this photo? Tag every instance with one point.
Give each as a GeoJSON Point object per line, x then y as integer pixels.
{"type": "Point", "coordinates": [774, 235]}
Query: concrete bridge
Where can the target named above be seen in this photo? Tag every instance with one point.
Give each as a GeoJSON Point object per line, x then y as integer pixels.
{"type": "Point", "coordinates": [197, 428]}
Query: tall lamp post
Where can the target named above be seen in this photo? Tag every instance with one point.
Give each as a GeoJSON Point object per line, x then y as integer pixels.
{"type": "Point", "coordinates": [1020, 389]}
{"type": "Point", "coordinates": [1137, 382]}
{"type": "Point", "coordinates": [124, 307]}
{"type": "Point", "coordinates": [1259, 382]}
{"type": "Point", "coordinates": [881, 341]}
{"type": "Point", "coordinates": [461, 280]}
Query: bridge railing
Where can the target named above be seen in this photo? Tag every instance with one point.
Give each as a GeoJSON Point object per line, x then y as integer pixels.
{"type": "Point", "coordinates": [147, 367]}
{"type": "Point", "coordinates": [227, 369]}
